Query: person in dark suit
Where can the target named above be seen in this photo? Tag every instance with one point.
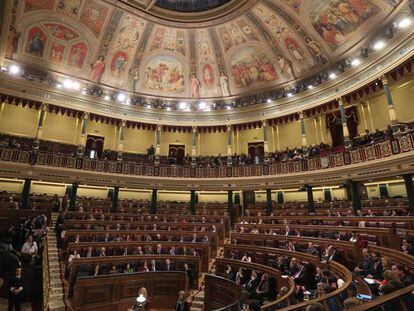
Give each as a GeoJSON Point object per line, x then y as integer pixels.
{"type": "Point", "coordinates": [168, 265]}
{"type": "Point", "coordinates": [16, 291]}
{"type": "Point", "coordinates": [331, 254]}
{"type": "Point", "coordinates": [189, 272]}
{"type": "Point", "coordinates": [230, 275]}
{"type": "Point", "coordinates": [366, 266]}
{"type": "Point", "coordinates": [182, 304]}
{"type": "Point", "coordinates": [377, 269]}
{"type": "Point", "coordinates": [300, 273]}
{"type": "Point", "coordinates": [254, 281]}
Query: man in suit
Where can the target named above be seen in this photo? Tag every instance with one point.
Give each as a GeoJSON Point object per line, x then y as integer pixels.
{"type": "Point", "coordinates": [366, 266]}
{"type": "Point", "coordinates": [331, 254]}
{"type": "Point", "coordinates": [16, 291]}
{"type": "Point", "coordinates": [159, 251]}
{"type": "Point", "coordinates": [253, 282]}
{"type": "Point", "coordinates": [168, 265]}
{"type": "Point", "coordinates": [230, 275]}
{"type": "Point", "coordinates": [377, 267]}
{"type": "Point", "coordinates": [300, 273]}
{"type": "Point", "coordinates": [312, 250]}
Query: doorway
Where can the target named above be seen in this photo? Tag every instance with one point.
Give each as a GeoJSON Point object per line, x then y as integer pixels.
{"type": "Point", "coordinates": [256, 151]}
{"type": "Point", "coordinates": [94, 146]}
{"type": "Point", "coordinates": [176, 154]}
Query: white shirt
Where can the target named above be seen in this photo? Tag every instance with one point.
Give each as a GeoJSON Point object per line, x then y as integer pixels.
{"type": "Point", "coordinates": [29, 248]}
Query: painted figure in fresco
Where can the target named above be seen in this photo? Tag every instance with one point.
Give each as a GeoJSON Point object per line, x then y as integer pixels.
{"type": "Point", "coordinates": [56, 52]}
{"type": "Point", "coordinates": [286, 68]}
{"type": "Point", "coordinates": [164, 77]}
{"type": "Point", "coordinates": [316, 51]}
{"type": "Point", "coordinates": [69, 7]}
{"type": "Point", "coordinates": [134, 77]}
{"type": "Point", "coordinates": [252, 67]}
{"type": "Point", "coordinates": [36, 45]}
{"type": "Point", "coordinates": [77, 55]}
{"type": "Point", "coordinates": [294, 50]}
{"type": "Point", "coordinates": [224, 84]}
{"type": "Point", "coordinates": [118, 64]}
{"type": "Point", "coordinates": [194, 86]}
{"type": "Point", "coordinates": [341, 17]}
{"type": "Point", "coordinates": [208, 76]}
{"type": "Point", "coordinates": [98, 69]}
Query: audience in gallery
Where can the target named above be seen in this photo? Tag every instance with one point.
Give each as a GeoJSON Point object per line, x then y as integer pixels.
{"type": "Point", "coordinates": [321, 149]}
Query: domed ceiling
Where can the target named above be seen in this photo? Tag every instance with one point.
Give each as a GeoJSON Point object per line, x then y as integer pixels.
{"type": "Point", "coordinates": [123, 44]}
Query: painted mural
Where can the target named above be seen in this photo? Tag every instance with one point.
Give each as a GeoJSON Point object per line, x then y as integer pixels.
{"type": "Point", "coordinates": [207, 65]}
{"type": "Point", "coordinates": [36, 42]}
{"type": "Point", "coordinates": [129, 52]}
{"type": "Point", "coordinates": [168, 39]}
{"type": "Point", "coordinates": [164, 73]}
{"type": "Point", "coordinates": [77, 55]}
{"type": "Point", "coordinates": [61, 32]}
{"type": "Point", "coordinates": [250, 66]}
{"type": "Point", "coordinates": [69, 7]}
{"type": "Point", "coordinates": [34, 5]}
{"type": "Point", "coordinates": [56, 53]}
{"type": "Point", "coordinates": [336, 20]}
{"type": "Point", "coordinates": [94, 16]}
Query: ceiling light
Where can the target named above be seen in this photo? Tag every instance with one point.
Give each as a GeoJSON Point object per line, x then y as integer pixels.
{"type": "Point", "coordinates": [404, 22]}
{"type": "Point", "coordinates": [168, 108]}
{"type": "Point", "coordinates": [183, 105]}
{"type": "Point", "coordinates": [379, 45]}
{"type": "Point", "coordinates": [208, 109]}
{"type": "Point", "coordinates": [68, 84]}
{"type": "Point", "coordinates": [289, 94]}
{"type": "Point", "coordinates": [59, 86]}
{"type": "Point", "coordinates": [355, 62]}
{"type": "Point", "coordinates": [76, 85]}
{"type": "Point", "coordinates": [202, 105]}
{"type": "Point", "coordinates": [84, 91]}
{"type": "Point", "coordinates": [128, 102]}
{"type": "Point", "coordinates": [121, 97]}
{"type": "Point", "coordinates": [107, 97]}
{"type": "Point", "coordinates": [14, 70]}
{"type": "Point", "coordinates": [310, 86]}
{"type": "Point", "coordinates": [269, 100]}
{"type": "Point", "coordinates": [4, 68]}
{"type": "Point", "coordinates": [332, 75]}
{"type": "Point", "coordinates": [149, 106]}
{"type": "Point", "coordinates": [228, 107]}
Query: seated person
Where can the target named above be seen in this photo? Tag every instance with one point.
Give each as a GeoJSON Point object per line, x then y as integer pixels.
{"type": "Point", "coordinates": [366, 266]}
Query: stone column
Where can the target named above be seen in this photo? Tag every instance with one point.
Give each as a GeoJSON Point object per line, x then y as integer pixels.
{"type": "Point", "coordinates": [356, 196]}
{"type": "Point", "coordinates": [269, 208]}
{"type": "Point", "coordinates": [347, 141]}
{"type": "Point", "coordinates": [229, 149]}
{"type": "Point", "coordinates": [302, 130]}
{"type": "Point", "coordinates": [390, 104]}
{"type": "Point", "coordinates": [265, 141]}
{"type": "Point", "coordinates": [26, 193]}
{"type": "Point", "coordinates": [194, 146]}
{"type": "Point", "coordinates": [192, 202]}
{"type": "Point", "coordinates": [311, 203]}
{"type": "Point", "coordinates": [115, 201]}
{"type": "Point", "coordinates": [230, 205]}
{"type": "Point", "coordinates": [72, 197]}
{"type": "Point", "coordinates": [41, 122]}
{"type": "Point", "coordinates": [158, 144]}
{"type": "Point", "coordinates": [154, 200]}
{"type": "Point", "coordinates": [408, 180]}
{"type": "Point", "coordinates": [84, 126]}
{"type": "Point", "coordinates": [121, 140]}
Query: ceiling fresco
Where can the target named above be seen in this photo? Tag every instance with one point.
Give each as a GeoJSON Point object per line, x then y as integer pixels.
{"type": "Point", "coordinates": [274, 43]}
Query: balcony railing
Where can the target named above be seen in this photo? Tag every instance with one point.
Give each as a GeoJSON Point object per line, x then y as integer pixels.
{"type": "Point", "coordinates": [378, 150]}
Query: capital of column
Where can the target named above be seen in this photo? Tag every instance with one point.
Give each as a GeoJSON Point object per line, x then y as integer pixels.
{"type": "Point", "coordinates": [384, 79]}
{"type": "Point", "coordinates": [194, 129]}
{"type": "Point", "coordinates": [340, 101]}
{"type": "Point", "coordinates": [123, 123]}
{"type": "Point", "coordinates": [44, 106]}
{"type": "Point", "coordinates": [85, 115]}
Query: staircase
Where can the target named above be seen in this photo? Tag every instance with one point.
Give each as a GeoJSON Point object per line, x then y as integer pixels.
{"type": "Point", "coordinates": [57, 292]}
{"type": "Point", "coordinates": [198, 301]}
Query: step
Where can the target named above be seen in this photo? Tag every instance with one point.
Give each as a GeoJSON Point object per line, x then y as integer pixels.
{"type": "Point", "coordinates": [197, 303]}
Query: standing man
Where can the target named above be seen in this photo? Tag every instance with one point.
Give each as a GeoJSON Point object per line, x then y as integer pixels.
{"type": "Point", "coordinates": [16, 291]}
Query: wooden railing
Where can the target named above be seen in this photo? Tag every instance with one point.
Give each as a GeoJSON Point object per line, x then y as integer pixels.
{"type": "Point", "coordinates": [45, 274]}
{"type": "Point", "coordinates": [221, 294]}
{"type": "Point", "coordinates": [382, 149]}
